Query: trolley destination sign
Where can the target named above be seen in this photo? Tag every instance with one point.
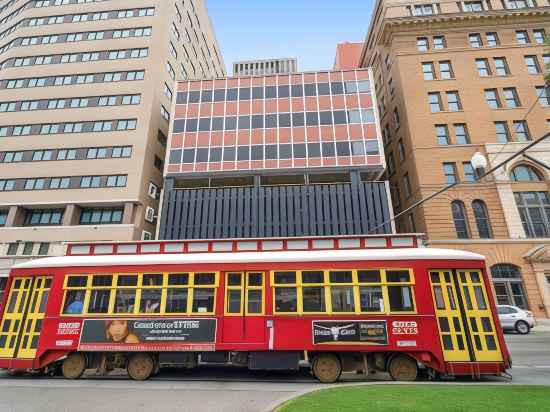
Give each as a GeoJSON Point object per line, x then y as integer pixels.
{"type": "Point", "coordinates": [142, 334]}
{"type": "Point", "coordinates": [350, 332]}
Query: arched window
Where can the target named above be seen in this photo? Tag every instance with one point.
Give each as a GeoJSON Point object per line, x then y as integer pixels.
{"type": "Point", "coordinates": [524, 173]}
{"type": "Point", "coordinates": [508, 285]}
{"type": "Point", "coordinates": [460, 219]}
{"type": "Point", "coordinates": [482, 219]}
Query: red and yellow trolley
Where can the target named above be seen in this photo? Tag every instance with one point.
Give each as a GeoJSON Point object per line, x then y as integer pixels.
{"type": "Point", "coordinates": [342, 304]}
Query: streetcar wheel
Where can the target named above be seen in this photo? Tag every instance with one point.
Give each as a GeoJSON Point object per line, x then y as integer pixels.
{"type": "Point", "coordinates": [522, 327]}
{"type": "Point", "coordinates": [403, 368]}
{"type": "Point", "coordinates": [327, 368]}
{"type": "Point", "coordinates": [140, 367]}
{"type": "Point", "coordinates": [74, 366]}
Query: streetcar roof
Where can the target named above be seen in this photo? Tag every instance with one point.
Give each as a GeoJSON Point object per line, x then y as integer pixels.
{"type": "Point", "coordinates": [251, 257]}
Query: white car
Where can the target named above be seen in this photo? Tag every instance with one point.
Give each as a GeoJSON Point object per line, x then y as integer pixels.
{"type": "Point", "coordinates": [514, 318]}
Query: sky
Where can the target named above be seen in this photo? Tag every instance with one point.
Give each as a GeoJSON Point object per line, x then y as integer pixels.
{"type": "Point", "coordinates": [306, 29]}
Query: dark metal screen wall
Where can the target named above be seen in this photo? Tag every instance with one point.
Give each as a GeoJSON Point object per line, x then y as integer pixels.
{"type": "Point", "coordinates": [301, 210]}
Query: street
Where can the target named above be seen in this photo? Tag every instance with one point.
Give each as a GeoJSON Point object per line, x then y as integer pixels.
{"type": "Point", "coordinates": [221, 389]}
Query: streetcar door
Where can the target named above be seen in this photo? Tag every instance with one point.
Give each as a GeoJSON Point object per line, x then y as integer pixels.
{"type": "Point", "coordinates": [466, 328]}
{"type": "Point", "coordinates": [449, 318]}
{"type": "Point", "coordinates": [23, 315]}
{"type": "Point", "coordinates": [479, 316]}
{"type": "Point", "coordinates": [244, 307]}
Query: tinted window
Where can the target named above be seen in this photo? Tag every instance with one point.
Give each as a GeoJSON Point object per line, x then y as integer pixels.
{"type": "Point", "coordinates": [285, 151]}
{"type": "Point", "coordinates": [179, 125]}
{"type": "Point", "coordinates": [215, 154]}
{"type": "Point", "coordinates": [312, 119]}
{"type": "Point", "coordinates": [202, 155]}
{"type": "Point", "coordinates": [340, 117]}
{"type": "Point", "coordinates": [324, 89]}
{"type": "Point", "coordinates": [300, 151]}
{"type": "Point", "coordinates": [230, 123]}
{"type": "Point", "coordinates": [298, 119]}
{"type": "Point", "coordinates": [310, 90]}
{"type": "Point", "coordinates": [328, 149]}
{"type": "Point", "coordinates": [229, 154]}
{"type": "Point", "coordinates": [181, 98]}
{"type": "Point", "coordinates": [257, 153]}
{"type": "Point", "coordinates": [284, 91]}
{"type": "Point", "coordinates": [314, 149]}
{"type": "Point", "coordinates": [270, 92]}
{"type": "Point", "coordinates": [284, 120]}
{"type": "Point", "coordinates": [175, 156]}
{"type": "Point", "coordinates": [271, 151]}
{"type": "Point", "coordinates": [191, 125]}
{"type": "Point", "coordinates": [188, 156]}
{"type": "Point", "coordinates": [243, 153]}
{"type": "Point", "coordinates": [337, 88]}
{"type": "Point", "coordinates": [206, 96]}
{"type": "Point", "coordinates": [325, 118]}
{"type": "Point", "coordinates": [270, 121]}
{"type": "Point", "coordinates": [244, 122]}
{"type": "Point", "coordinates": [257, 92]}
{"type": "Point", "coordinates": [232, 94]}
{"type": "Point", "coordinates": [217, 123]}
{"type": "Point", "coordinates": [342, 148]}
{"type": "Point", "coordinates": [257, 121]}
{"type": "Point", "coordinates": [194, 97]}
{"type": "Point", "coordinates": [244, 94]}
{"type": "Point", "coordinates": [204, 124]}
{"type": "Point", "coordinates": [297, 90]}
{"type": "Point", "coordinates": [219, 95]}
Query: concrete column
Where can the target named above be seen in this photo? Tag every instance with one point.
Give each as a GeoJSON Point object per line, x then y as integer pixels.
{"type": "Point", "coordinates": [128, 216]}
{"type": "Point", "coordinates": [12, 216]}
{"type": "Point", "coordinates": [511, 213]}
{"type": "Point", "coordinates": [69, 217]}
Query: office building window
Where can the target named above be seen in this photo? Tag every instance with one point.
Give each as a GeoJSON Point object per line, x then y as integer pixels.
{"type": "Point", "coordinates": [511, 97]}
{"type": "Point", "coordinates": [461, 134]}
{"type": "Point", "coordinates": [101, 216]}
{"type": "Point", "coordinates": [475, 40]}
{"type": "Point", "coordinates": [428, 71]}
{"type": "Point", "coordinates": [522, 131]}
{"type": "Point", "coordinates": [501, 66]}
{"type": "Point", "coordinates": [539, 36]}
{"type": "Point", "coordinates": [434, 100]}
{"type": "Point", "coordinates": [453, 102]}
{"type": "Point", "coordinates": [524, 173]}
{"type": "Point", "coordinates": [3, 217]}
{"type": "Point", "coordinates": [502, 132]}
{"type": "Point", "coordinates": [469, 172]}
{"type": "Point", "coordinates": [483, 223]}
{"type": "Point", "coordinates": [542, 95]}
{"type": "Point", "coordinates": [442, 134]}
{"type": "Point", "coordinates": [492, 39]}
{"type": "Point", "coordinates": [460, 219]}
{"type": "Point", "coordinates": [43, 217]}
{"type": "Point", "coordinates": [534, 209]}
{"type": "Point", "coordinates": [472, 6]}
{"type": "Point", "coordinates": [407, 185]}
{"type": "Point", "coordinates": [446, 70]}
{"type": "Point", "coordinates": [483, 68]}
{"type": "Point", "coordinates": [439, 42]}
{"type": "Point", "coordinates": [491, 96]}
{"type": "Point", "coordinates": [522, 37]}
{"type": "Point", "coordinates": [422, 44]}
{"type": "Point", "coordinates": [532, 64]}
{"type": "Point", "coordinates": [449, 171]}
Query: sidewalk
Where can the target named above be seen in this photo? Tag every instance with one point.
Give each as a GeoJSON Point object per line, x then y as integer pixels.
{"type": "Point", "coordinates": [543, 325]}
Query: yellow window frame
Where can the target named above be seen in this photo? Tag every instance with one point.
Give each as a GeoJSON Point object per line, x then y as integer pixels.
{"type": "Point", "coordinates": [191, 286]}
{"type": "Point", "coordinates": [355, 284]}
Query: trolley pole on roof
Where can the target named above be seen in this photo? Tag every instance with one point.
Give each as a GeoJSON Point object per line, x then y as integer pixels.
{"type": "Point", "coordinates": [479, 162]}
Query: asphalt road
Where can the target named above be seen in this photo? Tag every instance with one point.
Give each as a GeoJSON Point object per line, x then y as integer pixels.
{"type": "Point", "coordinates": [219, 389]}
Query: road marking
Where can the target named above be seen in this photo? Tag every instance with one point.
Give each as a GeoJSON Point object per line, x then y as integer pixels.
{"type": "Point", "coordinates": [531, 366]}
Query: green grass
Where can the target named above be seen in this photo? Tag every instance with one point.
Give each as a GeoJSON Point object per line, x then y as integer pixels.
{"type": "Point", "coordinates": [424, 398]}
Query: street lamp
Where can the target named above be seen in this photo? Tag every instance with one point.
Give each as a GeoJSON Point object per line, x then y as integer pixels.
{"type": "Point", "coordinates": [479, 163]}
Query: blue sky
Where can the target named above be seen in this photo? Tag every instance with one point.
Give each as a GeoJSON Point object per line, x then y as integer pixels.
{"type": "Point", "coordinates": [306, 29]}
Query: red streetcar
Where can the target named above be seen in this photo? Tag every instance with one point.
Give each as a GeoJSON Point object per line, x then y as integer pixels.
{"type": "Point", "coordinates": [342, 304]}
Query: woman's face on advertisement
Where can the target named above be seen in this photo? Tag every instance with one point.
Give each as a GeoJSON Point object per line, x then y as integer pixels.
{"type": "Point", "coordinates": [118, 330]}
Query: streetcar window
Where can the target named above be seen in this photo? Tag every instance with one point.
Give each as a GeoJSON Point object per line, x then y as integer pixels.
{"type": "Point", "coordinates": [254, 301]}
{"type": "Point", "coordinates": [371, 299]}
{"type": "Point", "coordinates": [150, 300]}
{"type": "Point", "coordinates": [400, 298]}
{"type": "Point", "coordinates": [350, 291]}
{"type": "Point", "coordinates": [99, 301]}
{"type": "Point", "coordinates": [152, 280]}
{"type": "Point", "coordinates": [234, 301]}
{"type": "Point", "coordinates": [74, 302]}
{"type": "Point", "coordinates": [102, 280]}
{"type": "Point", "coordinates": [282, 278]}
{"type": "Point", "coordinates": [176, 300]}
{"type": "Point", "coordinates": [440, 302]}
{"type": "Point", "coordinates": [314, 299]}
{"type": "Point", "coordinates": [125, 300]}
{"type": "Point", "coordinates": [342, 299]}
{"type": "Point", "coordinates": [77, 281]}
{"type": "Point", "coordinates": [398, 276]}
{"type": "Point", "coordinates": [255, 279]}
{"type": "Point", "coordinates": [480, 299]}
{"type": "Point", "coordinates": [205, 279]}
{"type": "Point", "coordinates": [285, 300]}
{"type": "Point", "coordinates": [368, 276]}
{"type": "Point", "coordinates": [341, 277]}
{"type": "Point", "coordinates": [203, 300]}
{"type": "Point", "coordinates": [127, 280]}
{"type": "Point", "coordinates": [178, 279]}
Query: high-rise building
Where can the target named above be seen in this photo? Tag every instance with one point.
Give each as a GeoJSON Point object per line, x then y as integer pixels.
{"type": "Point", "coordinates": [85, 97]}
{"type": "Point", "coordinates": [453, 79]}
{"type": "Point", "coordinates": [263, 67]}
{"type": "Point", "coordinates": [275, 156]}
